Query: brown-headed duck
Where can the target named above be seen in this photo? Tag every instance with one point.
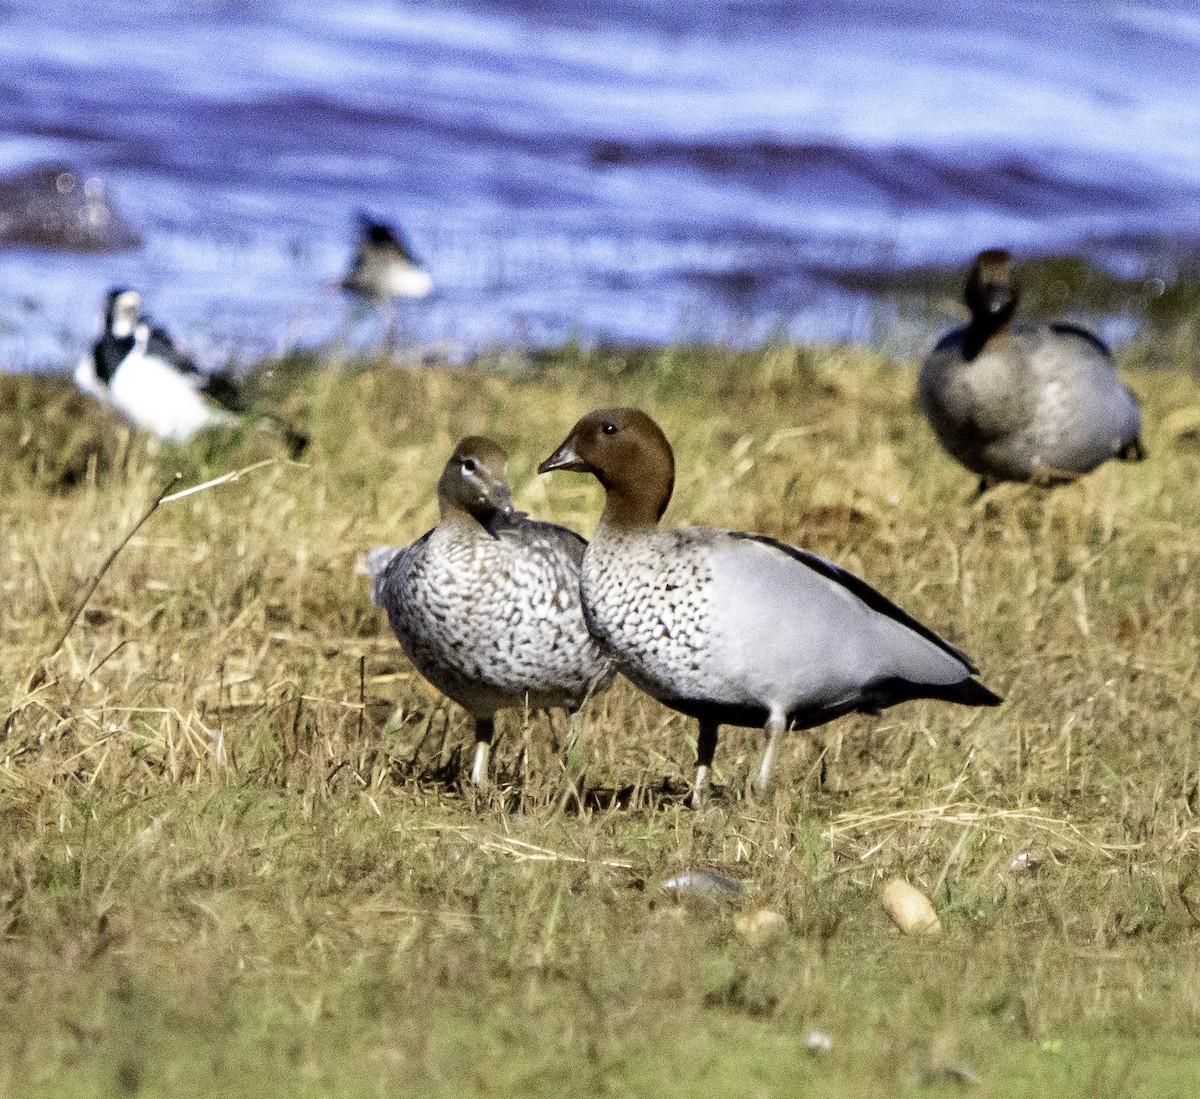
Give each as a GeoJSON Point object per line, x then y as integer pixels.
{"type": "Point", "coordinates": [736, 628]}
{"type": "Point", "coordinates": [1017, 401]}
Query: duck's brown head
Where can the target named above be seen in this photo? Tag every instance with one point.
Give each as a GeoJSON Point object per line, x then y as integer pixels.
{"type": "Point", "coordinates": [629, 455]}
{"type": "Point", "coordinates": [993, 289]}
{"type": "Point", "coordinates": [473, 482]}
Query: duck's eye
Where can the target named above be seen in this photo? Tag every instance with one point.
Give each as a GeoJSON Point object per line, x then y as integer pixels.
{"type": "Point", "coordinates": [609, 429]}
{"type": "Point", "coordinates": [470, 465]}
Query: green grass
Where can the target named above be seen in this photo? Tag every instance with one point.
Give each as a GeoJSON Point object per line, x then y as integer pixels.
{"type": "Point", "coordinates": [236, 857]}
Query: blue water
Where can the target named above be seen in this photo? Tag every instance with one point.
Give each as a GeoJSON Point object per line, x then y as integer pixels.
{"type": "Point", "coordinates": [634, 171]}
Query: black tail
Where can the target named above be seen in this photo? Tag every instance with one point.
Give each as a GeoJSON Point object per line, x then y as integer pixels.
{"type": "Point", "coordinates": [296, 441]}
{"type": "Point", "coordinates": [223, 388]}
{"type": "Point", "coordinates": [968, 692]}
{"type": "Point", "coordinates": [890, 692]}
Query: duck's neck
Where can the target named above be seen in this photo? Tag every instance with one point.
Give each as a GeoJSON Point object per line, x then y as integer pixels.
{"type": "Point", "coordinates": [982, 329]}
{"type": "Point", "coordinates": [635, 507]}
{"type": "Point", "coordinates": [457, 517]}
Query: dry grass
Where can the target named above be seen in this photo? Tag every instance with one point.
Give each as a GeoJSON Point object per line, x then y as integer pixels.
{"type": "Point", "coordinates": [238, 857]}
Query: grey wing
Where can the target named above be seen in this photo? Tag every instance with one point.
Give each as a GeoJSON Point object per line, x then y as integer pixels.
{"type": "Point", "coordinates": [563, 540]}
{"type": "Point", "coordinates": [934, 380]}
{"type": "Point", "coordinates": [1097, 415]}
{"type": "Point", "coordinates": [874, 599]}
{"type": "Point", "coordinates": [375, 565]}
{"type": "Point", "coordinates": [801, 635]}
{"type": "Point", "coordinates": [1090, 338]}
{"type": "Point", "coordinates": [378, 559]}
{"type": "Point", "coordinates": [971, 404]}
{"type": "Point", "coordinates": [383, 564]}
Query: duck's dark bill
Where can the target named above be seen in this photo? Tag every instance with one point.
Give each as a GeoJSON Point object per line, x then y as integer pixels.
{"type": "Point", "coordinates": [565, 458]}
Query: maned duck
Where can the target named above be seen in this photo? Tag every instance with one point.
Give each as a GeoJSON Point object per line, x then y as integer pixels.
{"type": "Point", "coordinates": [1018, 401]}
{"type": "Point", "coordinates": [486, 604]}
{"type": "Point", "coordinates": [736, 628]}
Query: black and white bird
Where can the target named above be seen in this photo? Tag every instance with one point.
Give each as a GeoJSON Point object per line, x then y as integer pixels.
{"type": "Point", "coordinates": [136, 368]}
{"type": "Point", "coordinates": [384, 267]}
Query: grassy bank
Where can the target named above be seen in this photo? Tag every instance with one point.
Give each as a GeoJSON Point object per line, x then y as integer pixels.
{"type": "Point", "coordinates": [236, 855]}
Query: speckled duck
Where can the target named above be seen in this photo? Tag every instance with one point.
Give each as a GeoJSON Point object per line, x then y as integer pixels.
{"type": "Point", "coordinates": [735, 628]}
{"type": "Point", "coordinates": [1018, 401]}
{"type": "Point", "coordinates": [486, 604]}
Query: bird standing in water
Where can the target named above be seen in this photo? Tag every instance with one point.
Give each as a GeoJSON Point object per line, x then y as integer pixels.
{"type": "Point", "coordinates": [385, 270]}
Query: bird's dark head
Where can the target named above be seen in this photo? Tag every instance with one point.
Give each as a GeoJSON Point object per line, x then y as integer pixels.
{"type": "Point", "coordinates": [629, 455]}
{"type": "Point", "coordinates": [122, 309]}
{"type": "Point", "coordinates": [993, 289]}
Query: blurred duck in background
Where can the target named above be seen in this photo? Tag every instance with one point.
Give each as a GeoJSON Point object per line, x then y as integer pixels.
{"type": "Point", "coordinates": [56, 205]}
{"type": "Point", "coordinates": [384, 271]}
{"type": "Point", "coordinates": [1014, 400]}
{"type": "Point", "coordinates": [137, 368]}
{"type": "Point", "coordinates": [384, 266]}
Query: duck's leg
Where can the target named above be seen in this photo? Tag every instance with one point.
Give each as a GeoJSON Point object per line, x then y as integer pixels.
{"type": "Point", "coordinates": [391, 332]}
{"type": "Point", "coordinates": [572, 753]}
{"type": "Point", "coordinates": [1133, 450]}
{"type": "Point", "coordinates": [572, 762]}
{"type": "Point", "coordinates": [485, 727]}
{"type": "Point", "coordinates": [706, 747]}
{"type": "Point", "coordinates": [358, 312]}
{"type": "Point", "coordinates": [574, 723]}
{"type": "Point", "coordinates": [776, 724]}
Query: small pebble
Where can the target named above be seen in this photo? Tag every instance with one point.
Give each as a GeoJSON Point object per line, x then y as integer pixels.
{"type": "Point", "coordinates": [909, 908]}
{"type": "Point", "coordinates": [703, 884]}
{"type": "Point", "coordinates": [817, 1043]}
{"type": "Point", "coordinates": [948, 1074]}
{"type": "Point", "coordinates": [760, 925]}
